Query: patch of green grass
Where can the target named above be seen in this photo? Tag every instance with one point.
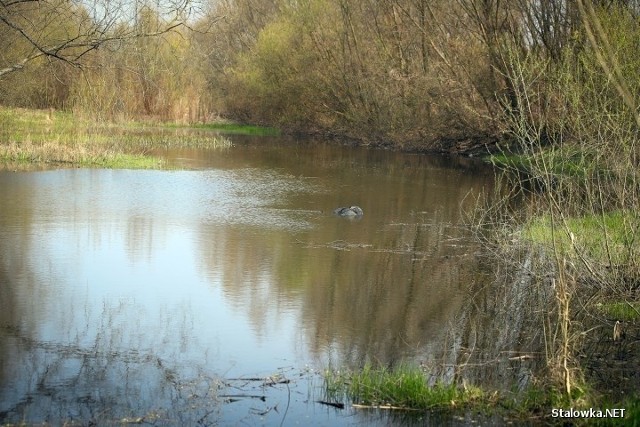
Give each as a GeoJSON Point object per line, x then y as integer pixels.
{"type": "Point", "coordinates": [625, 311]}
{"type": "Point", "coordinates": [631, 406]}
{"type": "Point", "coordinates": [123, 161]}
{"type": "Point", "coordinates": [566, 162]}
{"type": "Point", "coordinates": [405, 387]}
{"type": "Point", "coordinates": [240, 129]}
{"type": "Point", "coordinates": [16, 157]}
{"type": "Point", "coordinates": [511, 161]}
{"type": "Point", "coordinates": [537, 401]}
{"type": "Point", "coordinates": [609, 237]}
{"type": "Point", "coordinates": [29, 137]}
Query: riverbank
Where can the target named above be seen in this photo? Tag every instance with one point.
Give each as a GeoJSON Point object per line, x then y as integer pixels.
{"type": "Point", "coordinates": [567, 341]}
{"type": "Point", "coordinates": [31, 139]}
{"type": "Point", "coordinates": [479, 146]}
{"type": "Point", "coordinates": [37, 138]}
{"type": "Point", "coordinates": [405, 389]}
{"type": "Point", "coordinates": [43, 138]}
{"type": "Point", "coordinates": [578, 213]}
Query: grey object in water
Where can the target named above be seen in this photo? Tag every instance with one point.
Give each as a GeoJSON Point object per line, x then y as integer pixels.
{"type": "Point", "coordinates": [350, 211]}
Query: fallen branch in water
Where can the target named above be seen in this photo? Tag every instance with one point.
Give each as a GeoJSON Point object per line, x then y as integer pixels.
{"type": "Point", "coordinates": [266, 380]}
{"type": "Point", "coordinates": [334, 404]}
{"type": "Point", "coordinates": [340, 245]}
{"type": "Point", "coordinates": [244, 396]}
{"type": "Point", "coordinates": [138, 420]}
{"type": "Point", "coordinates": [263, 413]}
{"type": "Point", "coordinates": [390, 407]}
{"type": "Point", "coordinates": [523, 357]}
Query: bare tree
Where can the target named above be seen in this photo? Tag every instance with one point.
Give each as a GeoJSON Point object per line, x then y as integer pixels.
{"type": "Point", "coordinates": [66, 30]}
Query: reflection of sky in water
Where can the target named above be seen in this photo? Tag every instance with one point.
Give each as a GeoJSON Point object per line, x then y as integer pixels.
{"type": "Point", "coordinates": [128, 318]}
{"type": "Point", "coordinates": [156, 305]}
{"type": "Point", "coordinates": [240, 197]}
{"type": "Point", "coordinates": [119, 278]}
{"type": "Point", "coordinates": [106, 265]}
{"type": "Point", "coordinates": [121, 252]}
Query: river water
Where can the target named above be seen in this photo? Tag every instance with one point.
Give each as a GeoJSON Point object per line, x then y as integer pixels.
{"type": "Point", "coordinates": [214, 293]}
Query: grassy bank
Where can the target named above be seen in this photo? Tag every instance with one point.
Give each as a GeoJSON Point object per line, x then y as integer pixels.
{"type": "Point", "coordinates": [238, 129]}
{"type": "Point", "coordinates": [406, 389]}
{"type": "Point", "coordinates": [42, 138]}
{"type": "Point", "coordinates": [575, 205]}
{"type": "Point", "coordinates": [609, 237]}
{"type": "Point", "coordinates": [608, 245]}
{"type": "Point", "coordinates": [403, 388]}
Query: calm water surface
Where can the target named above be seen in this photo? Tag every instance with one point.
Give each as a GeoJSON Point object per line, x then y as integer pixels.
{"type": "Point", "coordinates": [164, 294]}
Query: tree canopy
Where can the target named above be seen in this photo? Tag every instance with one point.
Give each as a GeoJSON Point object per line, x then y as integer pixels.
{"type": "Point", "coordinates": [425, 74]}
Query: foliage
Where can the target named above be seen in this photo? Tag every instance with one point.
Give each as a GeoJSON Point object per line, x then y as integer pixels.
{"type": "Point", "coordinates": [361, 69]}
{"type": "Point", "coordinates": [106, 62]}
{"type": "Point", "coordinates": [420, 74]}
{"type": "Point", "coordinates": [407, 388]}
{"type": "Point", "coordinates": [573, 124]}
{"type": "Point", "coordinates": [142, 77]}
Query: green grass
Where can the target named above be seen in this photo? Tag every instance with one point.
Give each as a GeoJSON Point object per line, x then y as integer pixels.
{"type": "Point", "coordinates": [568, 162]}
{"type": "Point", "coordinates": [621, 310]}
{"type": "Point", "coordinates": [123, 161]}
{"type": "Point", "coordinates": [36, 137]}
{"type": "Point", "coordinates": [240, 129]}
{"type": "Point", "coordinates": [26, 161]}
{"type": "Point", "coordinates": [609, 237]}
{"type": "Point", "coordinates": [631, 405]}
{"type": "Point", "coordinates": [406, 388]}
{"type": "Point", "coordinates": [511, 161]}
{"type": "Point", "coordinates": [402, 388]}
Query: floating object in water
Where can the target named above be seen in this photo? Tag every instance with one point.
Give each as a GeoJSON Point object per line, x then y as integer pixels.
{"type": "Point", "coordinates": [350, 211]}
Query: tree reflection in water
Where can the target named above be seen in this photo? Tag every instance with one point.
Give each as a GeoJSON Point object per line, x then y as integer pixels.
{"type": "Point", "coordinates": [133, 294]}
{"type": "Point", "coordinates": [72, 383]}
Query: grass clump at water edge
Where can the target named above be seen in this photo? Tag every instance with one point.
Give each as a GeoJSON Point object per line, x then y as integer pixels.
{"type": "Point", "coordinates": [405, 388]}
{"type": "Point", "coordinates": [27, 153]}
{"type": "Point", "coordinates": [552, 162]}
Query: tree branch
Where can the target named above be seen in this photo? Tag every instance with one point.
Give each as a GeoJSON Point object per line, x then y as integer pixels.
{"type": "Point", "coordinates": [74, 47]}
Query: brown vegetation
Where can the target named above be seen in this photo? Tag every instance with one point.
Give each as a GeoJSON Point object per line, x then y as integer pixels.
{"type": "Point", "coordinates": [574, 128]}
{"type": "Point", "coordinates": [433, 75]}
{"type": "Point", "coordinates": [106, 59]}
{"type": "Point", "coordinates": [429, 75]}
{"type": "Point", "coordinates": [553, 80]}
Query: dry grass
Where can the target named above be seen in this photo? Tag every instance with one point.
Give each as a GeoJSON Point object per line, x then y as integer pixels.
{"type": "Point", "coordinates": [34, 138]}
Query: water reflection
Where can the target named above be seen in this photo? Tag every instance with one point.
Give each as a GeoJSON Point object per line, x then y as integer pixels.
{"type": "Point", "coordinates": [124, 291]}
